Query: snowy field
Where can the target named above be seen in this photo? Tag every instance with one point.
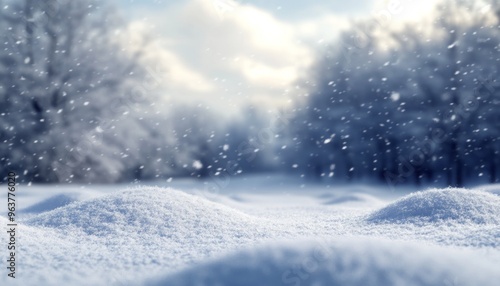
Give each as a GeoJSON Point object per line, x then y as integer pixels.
{"type": "Point", "coordinates": [255, 231]}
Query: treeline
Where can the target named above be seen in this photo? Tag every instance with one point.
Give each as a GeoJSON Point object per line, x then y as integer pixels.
{"type": "Point", "coordinates": [386, 103]}
{"type": "Point", "coordinates": [407, 104]}
{"type": "Point", "coordinates": [76, 106]}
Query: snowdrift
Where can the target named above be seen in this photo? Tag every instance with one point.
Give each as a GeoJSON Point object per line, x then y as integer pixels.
{"type": "Point", "coordinates": [437, 205]}
{"type": "Point", "coordinates": [129, 237]}
{"type": "Point", "coordinates": [346, 262]}
{"type": "Point", "coordinates": [132, 235]}
{"type": "Point", "coordinates": [150, 211]}
{"type": "Point", "coordinates": [51, 203]}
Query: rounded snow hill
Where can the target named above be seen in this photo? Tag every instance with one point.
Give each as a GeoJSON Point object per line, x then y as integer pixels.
{"type": "Point", "coordinates": [154, 213]}
{"type": "Point", "coordinates": [436, 205]}
{"type": "Point", "coordinates": [345, 262]}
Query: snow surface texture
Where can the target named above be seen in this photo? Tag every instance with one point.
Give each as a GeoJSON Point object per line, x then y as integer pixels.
{"type": "Point", "coordinates": [144, 229]}
{"type": "Point", "coordinates": [457, 205]}
{"type": "Point", "coordinates": [130, 237]}
{"type": "Point", "coordinates": [344, 262]}
{"type": "Point", "coordinates": [165, 213]}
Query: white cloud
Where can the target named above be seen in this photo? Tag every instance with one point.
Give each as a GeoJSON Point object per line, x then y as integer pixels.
{"type": "Point", "coordinates": [265, 75]}
{"type": "Point", "coordinates": [169, 69]}
{"type": "Point", "coordinates": [322, 28]}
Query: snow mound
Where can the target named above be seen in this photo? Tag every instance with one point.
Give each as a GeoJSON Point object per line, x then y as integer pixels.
{"type": "Point", "coordinates": [51, 203]}
{"type": "Point", "coordinates": [346, 262]}
{"type": "Point", "coordinates": [458, 205]}
{"type": "Point", "coordinates": [151, 211]}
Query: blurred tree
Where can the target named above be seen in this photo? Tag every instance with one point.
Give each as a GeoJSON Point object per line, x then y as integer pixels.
{"type": "Point", "coordinates": [405, 103]}
{"type": "Point", "coordinates": [63, 73]}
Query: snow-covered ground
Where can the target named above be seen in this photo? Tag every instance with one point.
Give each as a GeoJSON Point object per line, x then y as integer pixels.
{"type": "Point", "coordinates": [255, 231]}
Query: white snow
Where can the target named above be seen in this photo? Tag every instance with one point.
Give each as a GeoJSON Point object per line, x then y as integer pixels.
{"type": "Point", "coordinates": [251, 232]}
{"type": "Point", "coordinates": [343, 262]}
{"type": "Point", "coordinates": [493, 188]}
{"type": "Point", "coordinates": [51, 203]}
{"type": "Point", "coordinates": [458, 205]}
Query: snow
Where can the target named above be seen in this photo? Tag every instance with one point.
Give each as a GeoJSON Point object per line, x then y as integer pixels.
{"type": "Point", "coordinates": [51, 203]}
{"type": "Point", "coordinates": [493, 188]}
{"type": "Point", "coordinates": [251, 232]}
{"type": "Point", "coordinates": [157, 212]}
{"type": "Point", "coordinates": [333, 199]}
{"type": "Point", "coordinates": [458, 205]}
{"type": "Point", "coordinates": [343, 262]}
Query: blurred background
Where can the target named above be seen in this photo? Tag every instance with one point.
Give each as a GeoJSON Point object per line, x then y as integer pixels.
{"type": "Point", "coordinates": [393, 92]}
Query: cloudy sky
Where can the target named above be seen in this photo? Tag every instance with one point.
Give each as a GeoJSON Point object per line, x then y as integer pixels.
{"type": "Point", "coordinates": [226, 53]}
